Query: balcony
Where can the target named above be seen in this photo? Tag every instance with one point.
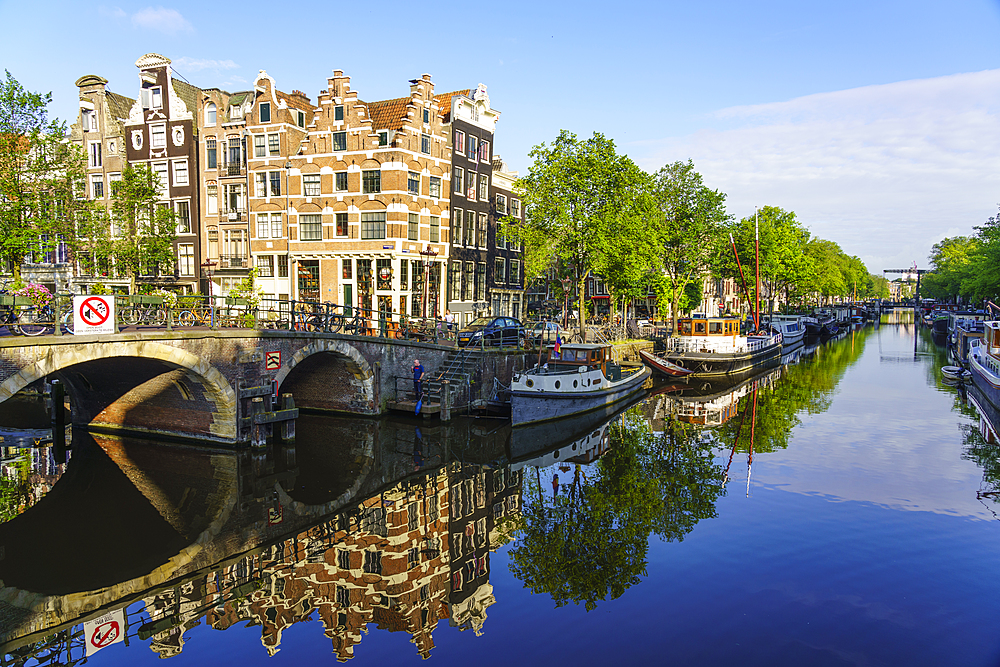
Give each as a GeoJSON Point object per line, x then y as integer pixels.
{"type": "Point", "coordinates": [234, 170]}
{"type": "Point", "coordinates": [233, 262]}
{"type": "Point", "coordinates": [236, 215]}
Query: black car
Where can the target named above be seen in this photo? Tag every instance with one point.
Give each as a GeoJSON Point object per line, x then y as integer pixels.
{"type": "Point", "coordinates": [492, 331]}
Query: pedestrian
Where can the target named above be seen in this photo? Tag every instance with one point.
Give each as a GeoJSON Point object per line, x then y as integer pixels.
{"type": "Point", "coordinates": [418, 376]}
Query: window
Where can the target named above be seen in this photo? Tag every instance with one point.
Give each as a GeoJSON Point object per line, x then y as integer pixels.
{"type": "Point", "coordinates": [282, 271]}
{"type": "Point", "coordinates": [235, 156]}
{"type": "Point", "coordinates": [212, 198]}
{"type": "Point", "coordinates": [183, 217]}
{"type": "Point", "coordinates": [515, 208]}
{"type": "Point", "coordinates": [413, 183]}
{"type": "Point", "coordinates": [515, 271]}
{"type": "Point", "coordinates": [427, 115]}
{"type": "Point", "coordinates": [160, 169]}
{"type": "Point", "coordinates": [468, 281]}
{"type": "Point", "coordinates": [263, 225]}
{"type": "Point", "coordinates": [383, 138]}
{"type": "Point", "coordinates": [457, 178]}
{"type": "Point", "coordinates": [276, 227]}
{"type": "Point", "coordinates": [484, 187]}
{"type": "Point", "coordinates": [185, 259]}
{"type": "Point", "coordinates": [300, 119]}
{"type": "Point", "coordinates": [265, 265]}
{"type": "Point", "coordinates": [346, 271]}
{"type": "Point", "coordinates": [155, 98]}
{"type": "Point", "coordinates": [498, 270]}
{"type": "Point", "coordinates": [340, 141]}
{"type": "Point", "coordinates": [310, 185]}
{"type": "Point", "coordinates": [456, 226]}
{"type": "Point", "coordinates": [181, 172]}
{"type": "Point", "coordinates": [500, 238]}
{"type": "Point", "coordinates": [501, 205]}
{"type": "Point", "coordinates": [435, 188]}
{"type": "Point", "coordinates": [341, 224]}
{"type": "Point", "coordinates": [338, 112]}
{"type": "Point", "coordinates": [455, 282]}
{"type": "Point", "coordinates": [112, 147]}
{"type": "Point", "coordinates": [114, 179]}
{"type": "Point", "coordinates": [470, 228]}
{"type": "Point", "coordinates": [459, 141]}
{"type": "Point", "coordinates": [470, 190]}
{"type": "Point", "coordinates": [260, 184]}
{"type": "Point", "coordinates": [435, 229]}
{"type": "Point", "coordinates": [95, 154]}
{"type": "Point", "coordinates": [340, 181]}
{"type": "Point", "coordinates": [373, 562]}
{"type": "Point", "coordinates": [472, 146]}
{"type": "Point", "coordinates": [484, 151]}
{"type": "Point", "coordinates": [265, 112]}
{"type": "Point", "coordinates": [210, 152]}
{"type": "Point", "coordinates": [97, 187]}
{"type": "Point", "coordinates": [158, 136]}
{"type": "Point", "coordinates": [211, 113]}
{"type": "Point", "coordinates": [480, 281]}
{"type": "Point", "coordinates": [371, 181]}
{"type": "Point", "coordinates": [413, 227]}
{"type": "Point", "coordinates": [275, 183]}
{"type": "Point", "coordinates": [425, 143]}
{"type": "Point", "coordinates": [310, 228]}
{"type": "Point", "coordinates": [259, 145]}
{"type": "Point", "coordinates": [481, 231]}
{"type": "Point", "coordinates": [273, 144]}
{"type": "Point", "coordinates": [373, 225]}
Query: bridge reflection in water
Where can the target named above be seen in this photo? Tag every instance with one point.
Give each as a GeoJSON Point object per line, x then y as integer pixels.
{"type": "Point", "coordinates": [363, 521]}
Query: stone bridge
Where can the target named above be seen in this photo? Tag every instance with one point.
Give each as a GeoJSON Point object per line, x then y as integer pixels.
{"type": "Point", "coordinates": [198, 384]}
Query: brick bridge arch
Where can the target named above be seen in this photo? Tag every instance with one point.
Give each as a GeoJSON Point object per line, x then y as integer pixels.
{"type": "Point", "coordinates": [314, 375]}
{"type": "Point", "coordinates": [140, 385]}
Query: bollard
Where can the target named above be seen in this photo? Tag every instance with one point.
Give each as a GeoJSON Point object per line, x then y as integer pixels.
{"type": "Point", "coordinates": [445, 400]}
{"type": "Point", "coordinates": [57, 395]}
{"type": "Point", "coordinates": [258, 437]}
{"type": "Point", "coordinates": [56, 329]}
{"type": "Point", "coordinates": [170, 318]}
{"type": "Point", "coordinates": [288, 426]}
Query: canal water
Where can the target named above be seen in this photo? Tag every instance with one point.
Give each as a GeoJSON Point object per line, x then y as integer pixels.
{"type": "Point", "coordinates": [842, 508]}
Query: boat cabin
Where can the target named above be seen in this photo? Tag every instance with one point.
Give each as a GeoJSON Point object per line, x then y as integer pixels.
{"type": "Point", "coordinates": [573, 356]}
{"type": "Point", "coordinates": [708, 326]}
{"type": "Point", "coordinates": [991, 337]}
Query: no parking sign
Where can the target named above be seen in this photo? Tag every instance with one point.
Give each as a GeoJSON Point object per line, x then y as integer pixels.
{"type": "Point", "coordinates": [104, 631]}
{"type": "Point", "coordinates": [93, 314]}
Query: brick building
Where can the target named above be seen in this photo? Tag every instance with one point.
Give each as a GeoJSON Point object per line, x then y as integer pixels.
{"type": "Point", "coordinates": [350, 196]}
{"type": "Point", "coordinates": [505, 269]}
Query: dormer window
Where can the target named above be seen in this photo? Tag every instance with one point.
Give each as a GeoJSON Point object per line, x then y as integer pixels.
{"type": "Point", "coordinates": [151, 98]}
{"type": "Point", "coordinates": [235, 112]}
{"type": "Point", "coordinates": [338, 112]}
{"type": "Point", "coordinates": [383, 138]}
{"type": "Point", "coordinates": [211, 114]}
{"type": "Point", "coordinates": [300, 119]}
{"type": "Point", "coordinates": [265, 112]}
{"type": "Point", "coordinates": [427, 116]}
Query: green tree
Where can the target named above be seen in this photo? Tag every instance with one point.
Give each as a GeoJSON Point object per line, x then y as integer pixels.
{"type": "Point", "coordinates": [580, 200]}
{"type": "Point", "coordinates": [142, 230]}
{"type": "Point", "coordinates": [951, 259]}
{"type": "Point", "coordinates": [39, 175]}
{"type": "Point", "coordinates": [689, 219]}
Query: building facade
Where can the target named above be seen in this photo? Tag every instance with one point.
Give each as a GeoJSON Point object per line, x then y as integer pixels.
{"type": "Point", "coordinates": [473, 123]}
{"type": "Point", "coordinates": [504, 262]}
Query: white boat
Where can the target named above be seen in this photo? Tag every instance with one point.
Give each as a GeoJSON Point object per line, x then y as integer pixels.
{"type": "Point", "coordinates": [578, 378]}
{"type": "Point", "coordinates": [714, 346]}
{"type": "Point", "coordinates": [790, 327]}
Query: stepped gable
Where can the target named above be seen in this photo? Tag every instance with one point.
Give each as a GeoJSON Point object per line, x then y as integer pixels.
{"type": "Point", "coordinates": [444, 102]}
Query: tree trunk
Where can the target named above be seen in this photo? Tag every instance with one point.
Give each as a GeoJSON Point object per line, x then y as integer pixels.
{"type": "Point", "coordinates": [580, 310]}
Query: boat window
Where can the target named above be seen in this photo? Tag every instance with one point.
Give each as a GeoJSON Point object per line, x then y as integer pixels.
{"type": "Point", "coordinates": [699, 327]}
{"type": "Point", "coordinates": [684, 327]}
{"type": "Point", "coordinates": [729, 327]}
{"type": "Point", "coordinates": [593, 355]}
{"type": "Point", "coordinates": [715, 328]}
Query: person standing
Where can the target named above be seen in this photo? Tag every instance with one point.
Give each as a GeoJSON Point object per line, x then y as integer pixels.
{"type": "Point", "coordinates": [418, 376]}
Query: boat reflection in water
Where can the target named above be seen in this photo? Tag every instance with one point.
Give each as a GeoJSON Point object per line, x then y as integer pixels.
{"type": "Point", "coordinates": [391, 522]}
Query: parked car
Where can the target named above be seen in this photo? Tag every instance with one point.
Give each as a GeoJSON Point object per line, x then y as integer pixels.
{"type": "Point", "coordinates": [492, 331]}
{"type": "Point", "coordinates": [545, 333]}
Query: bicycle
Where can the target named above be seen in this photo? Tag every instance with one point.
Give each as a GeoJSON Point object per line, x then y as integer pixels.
{"type": "Point", "coordinates": [149, 314]}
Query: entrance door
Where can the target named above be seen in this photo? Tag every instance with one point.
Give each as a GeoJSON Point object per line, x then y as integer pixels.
{"type": "Point", "coordinates": [309, 280]}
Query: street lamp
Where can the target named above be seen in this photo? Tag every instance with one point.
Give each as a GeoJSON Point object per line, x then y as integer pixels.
{"type": "Point", "coordinates": [428, 260]}
{"type": "Point", "coordinates": [208, 267]}
{"type": "Point", "coordinates": [288, 232]}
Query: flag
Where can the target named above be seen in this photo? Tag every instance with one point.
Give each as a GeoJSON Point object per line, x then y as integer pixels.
{"type": "Point", "coordinates": [558, 343]}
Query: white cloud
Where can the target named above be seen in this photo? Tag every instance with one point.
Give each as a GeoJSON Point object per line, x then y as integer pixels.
{"type": "Point", "coordinates": [198, 64]}
{"type": "Point", "coordinates": [168, 21]}
{"type": "Point", "coordinates": [111, 12]}
{"type": "Point", "coordinates": [885, 171]}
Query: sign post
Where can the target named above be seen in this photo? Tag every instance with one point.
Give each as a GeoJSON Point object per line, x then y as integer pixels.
{"type": "Point", "coordinates": [104, 631]}
{"type": "Point", "coordinates": [93, 314]}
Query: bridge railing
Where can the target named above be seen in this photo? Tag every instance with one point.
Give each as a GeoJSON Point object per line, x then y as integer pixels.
{"type": "Point", "coordinates": [143, 312]}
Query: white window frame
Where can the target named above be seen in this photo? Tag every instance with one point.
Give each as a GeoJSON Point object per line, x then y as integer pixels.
{"type": "Point", "coordinates": [162, 171]}
{"type": "Point", "coordinates": [314, 223]}
{"type": "Point", "coordinates": [434, 189]}
{"type": "Point", "coordinates": [313, 187]}
{"type": "Point", "coordinates": [212, 199]}
{"type": "Point", "coordinates": [211, 114]}
{"type": "Point", "coordinates": [94, 180]}
{"type": "Point", "coordinates": [181, 177]}
{"type": "Point", "coordinates": [159, 130]}
{"type": "Point", "coordinates": [260, 145]}
{"type": "Point", "coordinates": [260, 184]}
{"type": "Point", "coordinates": [263, 225]}
{"type": "Point", "coordinates": [185, 259]}
{"type": "Point", "coordinates": [95, 157]}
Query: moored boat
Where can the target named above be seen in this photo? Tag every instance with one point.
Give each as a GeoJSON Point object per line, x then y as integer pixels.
{"type": "Point", "coordinates": [663, 366]}
{"type": "Point", "coordinates": [714, 346]}
{"type": "Point", "coordinates": [984, 362]}
{"type": "Point", "coordinates": [790, 327]}
{"type": "Point", "coordinates": [575, 378]}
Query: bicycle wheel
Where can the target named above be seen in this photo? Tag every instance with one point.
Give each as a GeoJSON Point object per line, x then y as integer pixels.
{"type": "Point", "coordinates": [66, 321]}
{"type": "Point", "coordinates": [30, 322]}
{"type": "Point", "coordinates": [185, 318]}
{"type": "Point", "coordinates": [335, 323]}
{"type": "Point", "coordinates": [132, 316]}
{"type": "Point", "coordinates": [158, 317]}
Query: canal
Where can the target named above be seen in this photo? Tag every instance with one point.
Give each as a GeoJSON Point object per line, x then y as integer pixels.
{"type": "Point", "coordinates": [842, 508]}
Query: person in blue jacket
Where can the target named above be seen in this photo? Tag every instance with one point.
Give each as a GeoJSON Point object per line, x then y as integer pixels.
{"type": "Point", "coordinates": [418, 376]}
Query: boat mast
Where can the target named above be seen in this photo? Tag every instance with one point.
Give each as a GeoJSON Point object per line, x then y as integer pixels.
{"type": "Point", "coordinates": [743, 279]}
{"type": "Point", "coordinates": [756, 233]}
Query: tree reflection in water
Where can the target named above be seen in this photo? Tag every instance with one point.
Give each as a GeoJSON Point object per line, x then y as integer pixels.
{"type": "Point", "coordinates": [588, 543]}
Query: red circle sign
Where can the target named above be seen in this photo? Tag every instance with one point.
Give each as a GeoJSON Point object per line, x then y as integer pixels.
{"type": "Point", "coordinates": [94, 311]}
{"type": "Point", "coordinates": [105, 634]}
{"type": "Point", "coordinates": [384, 273]}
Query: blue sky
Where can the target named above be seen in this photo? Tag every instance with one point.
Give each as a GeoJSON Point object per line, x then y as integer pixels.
{"type": "Point", "coordinates": [876, 122]}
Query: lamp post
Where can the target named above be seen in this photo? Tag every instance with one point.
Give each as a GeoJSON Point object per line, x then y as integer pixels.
{"type": "Point", "coordinates": [428, 260]}
{"type": "Point", "coordinates": [208, 267]}
{"type": "Point", "coordinates": [565, 285]}
{"type": "Point", "coordinates": [292, 280]}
